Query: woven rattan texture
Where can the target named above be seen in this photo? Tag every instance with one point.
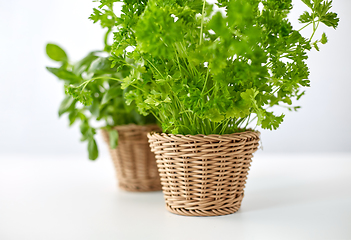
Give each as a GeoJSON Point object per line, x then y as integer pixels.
{"type": "Point", "coordinates": [135, 164]}
{"type": "Point", "coordinates": [203, 175]}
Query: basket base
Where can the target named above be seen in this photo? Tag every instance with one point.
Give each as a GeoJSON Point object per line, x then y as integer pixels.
{"type": "Point", "coordinates": [209, 211]}
{"type": "Point", "coordinates": [202, 213]}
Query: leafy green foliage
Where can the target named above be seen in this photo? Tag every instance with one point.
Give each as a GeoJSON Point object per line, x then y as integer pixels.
{"type": "Point", "coordinates": [201, 71]}
{"type": "Point", "coordinates": [101, 97]}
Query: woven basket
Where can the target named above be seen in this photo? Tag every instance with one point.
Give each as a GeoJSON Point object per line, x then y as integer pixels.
{"type": "Point", "coordinates": [203, 175]}
{"type": "Point", "coordinates": [135, 164]}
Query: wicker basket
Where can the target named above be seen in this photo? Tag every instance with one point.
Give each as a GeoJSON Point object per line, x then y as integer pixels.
{"type": "Point", "coordinates": [135, 164]}
{"type": "Point", "coordinates": [203, 175]}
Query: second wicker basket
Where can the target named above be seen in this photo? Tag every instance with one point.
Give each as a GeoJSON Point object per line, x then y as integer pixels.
{"type": "Point", "coordinates": [135, 164]}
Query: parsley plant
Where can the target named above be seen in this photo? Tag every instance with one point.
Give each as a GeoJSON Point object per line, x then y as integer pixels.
{"type": "Point", "coordinates": [205, 68]}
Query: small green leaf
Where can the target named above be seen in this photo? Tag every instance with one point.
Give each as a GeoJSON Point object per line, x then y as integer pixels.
{"type": "Point", "coordinates": [84, 126]}
{"type": "Point", "coordinates": [315, 45]}
{"type": "Point", "coordinates": [300, 95]}
{"type": "Point", "coordinates": [113, 138]}
{"type": "Point", "coordinates": [95, 108]}
{"type": "Point", "coordinates": [101, 65]}
{"type": "Point", "coordinates": [330, 19]}
{"type": "Point", "coordinates": [271, 121]}
{"type": "Point", "coordinates": [214, 115]}
{"type": "Point", "coordinates": [175, 130]}
{"type": "Point", "coordinates": [56, 53]}
{"type": "Point", "coordinates": [67, 102]}
{"type": "Point", "coordinates": [95, 64]}
{"type": "Point", "coordinates": [72, 117]}
{"type": "Point", "coordinates": [127, 81]}
{"type": "Point", "coordinates": [287, 100]}
{"type": "Point", "coordinates": [308, 3]}
{"type": "Point", "coordinates": [249, 94]}
{"type": "Point", "coordinates": [84, 64]}
{"type": "Point", "coordinates": [92, 149]}
{"type": "Point", "coordinates": [64, 75]}
{"type": "Point", "coordinates": [82, 96]}
{"type": "Point", "coordinates": [305, 17]}
{"type": "Point", "coordinates": [324, 39]}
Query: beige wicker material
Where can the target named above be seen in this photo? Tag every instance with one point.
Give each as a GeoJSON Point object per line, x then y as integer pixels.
{"type": "Point", "coordinates": [135, 164]}
{"type": "Point", "coordinates": [203, 175]}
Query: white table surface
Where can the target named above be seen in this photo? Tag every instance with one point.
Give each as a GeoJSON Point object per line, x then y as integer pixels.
{"type": "Point", "coordinates": [71, 198]}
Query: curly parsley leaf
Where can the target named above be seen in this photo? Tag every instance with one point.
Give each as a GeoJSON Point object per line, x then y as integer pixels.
{"type": "Point", "coordinates": [82, 96]}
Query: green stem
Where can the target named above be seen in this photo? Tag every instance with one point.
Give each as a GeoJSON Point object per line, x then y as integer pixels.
{"type": "Point", "coordinates": [253, 119]}
{"type": "Point", "coordinates": [155, 68]}
{"type": "Point", "coordinates": [240, 122]}
{"type": "Point", "coordinates": [106, 37]}
{"type": "Point", "coordinates": [247, 123]}
{"type": "Point", "coordinates": [112, 12]}
{"type": "Point", "coordinates": [90, 80]}
{"type": "Point", "coordinates": [224, 126]}
{"type": "Point", "coordinates": [314, 27]}
{"type": "Point", "coordinates": [202, 21]}
{"type": "Point", "coordinates": [304, 26]}
{"type": "Point", "coordinates": [155, 116]}
{"type": "Point", "coordinates": [177, 59]}
{"type": "Point", "coordinates": [203, 89]}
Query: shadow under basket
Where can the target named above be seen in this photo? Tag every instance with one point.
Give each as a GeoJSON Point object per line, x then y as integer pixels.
{"type": "Point", "coordinates": [135, 164]}
{"type": "Point", "coordinates": [203, 175]}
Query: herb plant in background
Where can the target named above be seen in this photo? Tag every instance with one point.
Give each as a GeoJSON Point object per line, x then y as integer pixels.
{"type": "Point", "coordinates": [206, 71]}
{"type": "Point", "coordinates": [102, 99]}
{"type": "Point", "coordinates": [94, 93]}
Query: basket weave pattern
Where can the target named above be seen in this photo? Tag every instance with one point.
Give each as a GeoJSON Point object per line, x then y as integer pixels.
{"type": "Point", "coordinates": [203, 175]}
{"type": "Point", "coordinates": [135, 164]}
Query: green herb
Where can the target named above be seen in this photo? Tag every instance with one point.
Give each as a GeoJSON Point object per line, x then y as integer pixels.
{"type": "Point", "coordinates": [102, 99]}
{"type": "Point", "coordinates": [202, 71]}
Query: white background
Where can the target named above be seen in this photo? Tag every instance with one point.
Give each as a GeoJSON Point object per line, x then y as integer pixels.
{"type": "Point", "coordinates": [30, 96]}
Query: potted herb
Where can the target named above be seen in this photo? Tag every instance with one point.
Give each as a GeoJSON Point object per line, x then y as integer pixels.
{"type": "Point", "coordinates": [123, 128]}
{"type": "Point", "coordinates": [206, 71]}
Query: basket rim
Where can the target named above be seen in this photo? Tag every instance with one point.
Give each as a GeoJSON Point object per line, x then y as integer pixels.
{"type": "Point", "coordinates": [131, 126]}
{"type": "Point", "coordinates": [247, 131]}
